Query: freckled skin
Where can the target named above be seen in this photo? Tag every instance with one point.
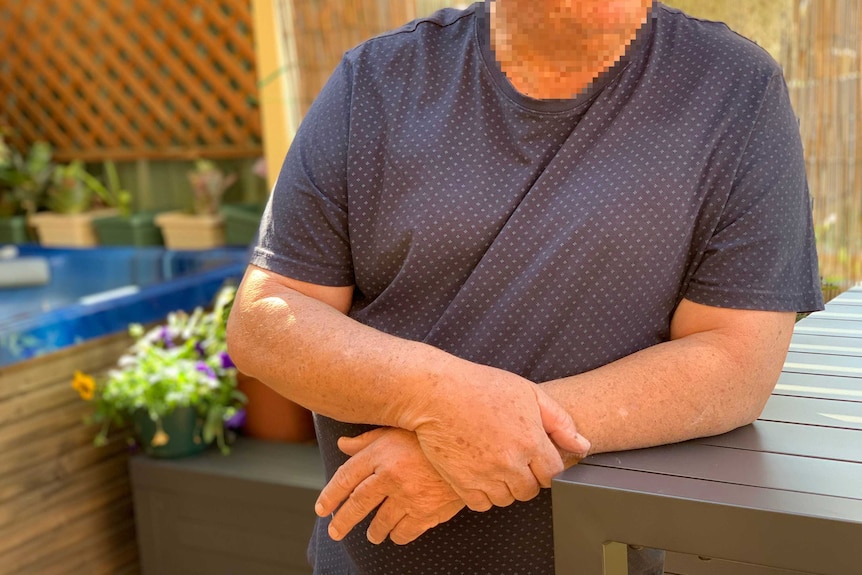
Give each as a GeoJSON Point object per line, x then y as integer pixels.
{"type": "Point", "coordinates": [458, 433]}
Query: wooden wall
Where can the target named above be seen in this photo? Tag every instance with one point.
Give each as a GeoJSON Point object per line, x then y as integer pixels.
{"type": "Point", "coordinates": [65, 505]}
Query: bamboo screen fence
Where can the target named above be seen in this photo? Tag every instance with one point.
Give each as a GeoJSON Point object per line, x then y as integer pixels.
{"type": "Point", "coordinates": [323, 31]}
{"type": "Point", "coordinates": [817, 43]}
{"type": "Point", "coordinates": [132, 79]}
{"type": "Point", "coordinates": [823, 68]}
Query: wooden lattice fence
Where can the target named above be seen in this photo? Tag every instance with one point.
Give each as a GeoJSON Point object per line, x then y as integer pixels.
{"type": "Point", "coordinates": [130, 79]}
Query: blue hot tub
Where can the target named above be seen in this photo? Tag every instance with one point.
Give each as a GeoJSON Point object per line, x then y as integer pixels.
{"type": "Point", "coordinates": [95, 292]}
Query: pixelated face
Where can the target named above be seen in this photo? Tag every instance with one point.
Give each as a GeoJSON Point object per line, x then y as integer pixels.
{"type": "Point", "coordinates": [556, 48]}
{"type": "Point", "coordinates": [588, 16]}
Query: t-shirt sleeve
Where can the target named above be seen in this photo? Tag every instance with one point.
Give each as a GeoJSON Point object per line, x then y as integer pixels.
{"type": "Point", "coordinates": [762, 253]}
{"type": "Point", "coordinates": [304, 228]}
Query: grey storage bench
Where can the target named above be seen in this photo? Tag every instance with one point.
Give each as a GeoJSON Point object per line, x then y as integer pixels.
{"type": "Point", "coordinates": [250, 512]}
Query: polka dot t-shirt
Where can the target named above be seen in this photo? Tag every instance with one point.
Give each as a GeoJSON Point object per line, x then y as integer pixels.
{"type": "Point", "coordinates": [544, 237]}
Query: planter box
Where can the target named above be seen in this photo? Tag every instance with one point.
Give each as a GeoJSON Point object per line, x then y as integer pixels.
{"type": "Point", "coordinates": [13, 230]}
{"type": "Point", "coordinates": [251, 512]}
{"type": "Point", "coordinates": [139, 229]}
{"type": "Point", "coordinates": [68, 230]}
{"type": "Point", "coordinates": [183, 231]}
{"type": "Point", "coordinates": [241, 223]}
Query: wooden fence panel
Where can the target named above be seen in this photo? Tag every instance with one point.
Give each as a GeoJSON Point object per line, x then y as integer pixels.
{"type": "Point", "coordinates": [132, 79]}
{"type": "Point", "coordinates": [65, 505]}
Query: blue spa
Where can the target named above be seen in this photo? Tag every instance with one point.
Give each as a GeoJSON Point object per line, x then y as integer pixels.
{"type": "Point", "coordinates": [52, 298]}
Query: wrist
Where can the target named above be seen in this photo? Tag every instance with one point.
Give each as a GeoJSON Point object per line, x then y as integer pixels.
{"type": "Point", "coordinates": [429, 388]}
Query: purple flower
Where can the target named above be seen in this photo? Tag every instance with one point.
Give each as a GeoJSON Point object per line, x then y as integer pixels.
{"type": "Point", "coordinates": [226, 361]}
{"type": "Point", "coordinates": [165, 337]}
{"type": "Point", "coordinates": [204, 368]}
{"type": "Point", "coordinates": [199, 347]}
{"type": "Point", "coordinates": [236, 421]}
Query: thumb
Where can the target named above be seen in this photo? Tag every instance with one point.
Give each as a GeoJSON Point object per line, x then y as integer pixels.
{"type": "Point", "coordinates": [560, 427]}
{"type": "Point", "coordinates": [353, 445]}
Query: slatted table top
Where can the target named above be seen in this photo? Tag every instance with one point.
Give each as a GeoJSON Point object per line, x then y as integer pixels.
{"type": "Point", "coordinates": [785, 491]}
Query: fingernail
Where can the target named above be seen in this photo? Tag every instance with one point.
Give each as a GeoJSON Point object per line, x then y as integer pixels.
{"type": "Point", "coordinates": [585, 442]}
{"type": "Point", "coordinates": [318, 508]}
{"type": "Point", "coordinates": [333, 532]}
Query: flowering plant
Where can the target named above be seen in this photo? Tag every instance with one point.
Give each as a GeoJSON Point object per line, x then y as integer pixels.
{"type": "Point", "coordinates": [181, 363]}
{"type": "Point", "coordinates": [209, 184]}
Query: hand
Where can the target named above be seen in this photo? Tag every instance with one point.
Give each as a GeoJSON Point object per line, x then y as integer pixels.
{"type": "Point", "coordinates": [494, 436]}
{"type": "Point", "coordinates": [386, 468]}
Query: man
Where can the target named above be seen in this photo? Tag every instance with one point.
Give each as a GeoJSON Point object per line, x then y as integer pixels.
{"type": "Point", "coordinates": [508, 236]}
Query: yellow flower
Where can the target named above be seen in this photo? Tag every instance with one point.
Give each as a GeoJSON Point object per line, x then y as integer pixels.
{"type": "Point", "coordinates": [160, 438]}
{"type": "Point", "coordinates": [84, 385]}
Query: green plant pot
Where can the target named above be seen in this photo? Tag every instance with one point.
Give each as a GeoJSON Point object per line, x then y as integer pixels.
{"type": "Point", "coordinates": [139, 229]}
{"type": "Point", "coordinates": [13, 230]}
{"type": "Point", "coordinates": [241, 223]}
{"type": "Point", "coordinates": [182, 427]}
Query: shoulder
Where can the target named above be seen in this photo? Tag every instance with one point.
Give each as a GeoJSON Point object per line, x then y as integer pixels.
{"type": "Point", "coordinates": [711, 46]}
{"type": "Point", "coordinates": [437, 31]}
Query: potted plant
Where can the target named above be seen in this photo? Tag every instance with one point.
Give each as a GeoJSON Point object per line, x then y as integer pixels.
{"type": "Point", "coordinates": [74, 199]}
{"type": "Point", "coordinates": [127, 228]}
{"type": "Point", "coordinates": [23, 181]}
{"type": "Point", "coordinates": [204, 227]}
{"type": "Point", "coordinates": [176, 385]}
{"type": "Point", "coordinates": [242, 220]}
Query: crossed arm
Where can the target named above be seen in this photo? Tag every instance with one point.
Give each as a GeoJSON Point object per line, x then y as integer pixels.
{"type": "Point", "coordinates": [458, 433]}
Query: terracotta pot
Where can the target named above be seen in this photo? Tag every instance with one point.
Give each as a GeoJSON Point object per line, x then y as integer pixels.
{"type": "Point", "coordinates": [269, 415]}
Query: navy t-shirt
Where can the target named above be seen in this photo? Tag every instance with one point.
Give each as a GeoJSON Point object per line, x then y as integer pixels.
{"type": "Point", "coordinates": [544, 237]}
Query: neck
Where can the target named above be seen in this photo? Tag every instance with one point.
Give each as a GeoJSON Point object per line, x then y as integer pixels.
{"type": "Point", "coordinates": [547, 55]}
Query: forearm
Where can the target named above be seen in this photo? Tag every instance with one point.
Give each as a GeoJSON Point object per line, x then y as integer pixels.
{"type": "Point", "coordinates": [317, 356]}
{"type": "Point", "coordinates": [487, 432]}
{"type": "Point", "coordinates": [700, 385]}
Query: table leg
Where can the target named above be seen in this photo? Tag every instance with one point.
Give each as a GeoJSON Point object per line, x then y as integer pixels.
{"type": "Point", "coordinates": [615, 558]}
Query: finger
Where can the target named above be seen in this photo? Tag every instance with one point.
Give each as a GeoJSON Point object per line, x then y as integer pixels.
{"type": "Point", "coordinates": [353, 445]}
{"type": "Point", "coordinates": [345, 480]}
{"type": "Point", "coordinates": [500, 495]}
{"type": "Point", "coordinates": [364, 499]}
{"type": "Point", "coordinates": [559, 426]}
{"type": "Point", "coordinates": [545, 468]}
{"type": "Point", "coordinates": [411, 528]}
{"type": "Point", "coordinates": [388, 515]}
{"type": "Point", "coordinates": [475, 499]}
{"type": "Point", "coordinates": [523, 487]}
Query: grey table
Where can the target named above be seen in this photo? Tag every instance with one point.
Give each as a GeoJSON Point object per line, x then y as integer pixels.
{"type": "Point", "coordinates": [783, 495]}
